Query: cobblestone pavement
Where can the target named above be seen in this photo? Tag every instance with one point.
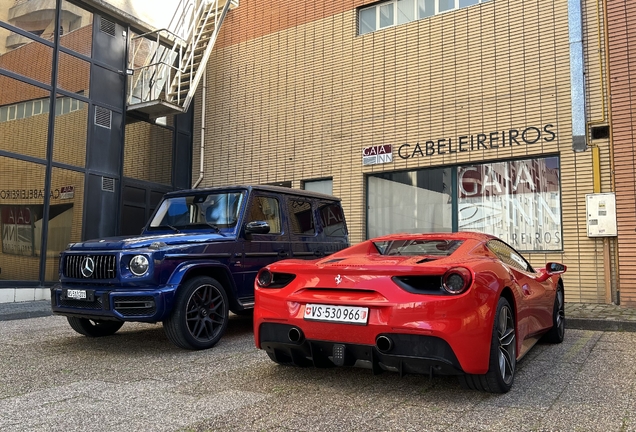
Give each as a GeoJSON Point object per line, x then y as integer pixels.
{"type": "Point", "coordinates": [600, 317]}
{"type": "Point", "coordinates": [56, 380]}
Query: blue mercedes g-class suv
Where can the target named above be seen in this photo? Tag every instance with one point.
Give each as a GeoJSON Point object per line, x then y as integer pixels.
{"type": "Point", "coordinates": [195, 260]}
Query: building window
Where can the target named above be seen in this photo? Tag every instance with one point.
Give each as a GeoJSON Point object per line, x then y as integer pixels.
{"type": "Point", "coordinates": [324, 186]}
{"type": "Point", "coordinates": [396, 12]}
{"type": "Point", "coordinates": [31, 108]}
{"type": "Point", "coordinates": [500, 198]}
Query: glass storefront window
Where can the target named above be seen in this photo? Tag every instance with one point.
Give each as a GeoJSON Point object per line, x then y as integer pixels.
{"type": "Point", "coordinates": [412, 201]}
{"type": "Point", "coordinates": [65, 216]}
{"type": "Point", "coordinates": [517, 201]}
{"type": "Point", "coordinates": [74, 74]}
{"type": "Point", "coordinates": [71, 123]}
{"type": "Point", "coordinates": [77, 29]}
{"type": "Point", "coordinates": [23, 129]}
{"type": "Point", "coordinates": [24, 56]}
{"type": "Point", "coordinates": [21, 209]}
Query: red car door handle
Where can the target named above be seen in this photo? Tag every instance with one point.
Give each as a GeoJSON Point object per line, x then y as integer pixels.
{"type": "Point", "coordinates": [526, 289]}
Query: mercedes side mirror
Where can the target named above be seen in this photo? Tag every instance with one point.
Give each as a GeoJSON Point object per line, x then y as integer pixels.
{"type": "Point", "coordinates": [257, 227]}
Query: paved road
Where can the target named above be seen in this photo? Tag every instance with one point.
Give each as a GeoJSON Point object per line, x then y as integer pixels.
{"type": "Point", "coordinates": [54, 379]}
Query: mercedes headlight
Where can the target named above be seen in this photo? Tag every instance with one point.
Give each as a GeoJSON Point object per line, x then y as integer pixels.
{"type": "Point", "coordinates": [139, 265]}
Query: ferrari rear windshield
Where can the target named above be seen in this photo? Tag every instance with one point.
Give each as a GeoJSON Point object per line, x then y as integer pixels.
{"type": "Point", "coordinates": [418, 247]}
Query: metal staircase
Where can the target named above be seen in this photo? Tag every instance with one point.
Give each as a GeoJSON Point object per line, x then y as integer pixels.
{"type": "Point", "coordinates": [166, 65]}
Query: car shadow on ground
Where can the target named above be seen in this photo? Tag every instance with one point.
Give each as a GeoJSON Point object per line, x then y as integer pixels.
{"type": "Point", "coordinates": [149, 338]}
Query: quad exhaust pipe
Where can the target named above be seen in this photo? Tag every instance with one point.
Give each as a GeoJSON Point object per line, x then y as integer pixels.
{"type": "Point", "coordinates": [295, 335]}
{"type": "Point", "coordinates": [384, 344]}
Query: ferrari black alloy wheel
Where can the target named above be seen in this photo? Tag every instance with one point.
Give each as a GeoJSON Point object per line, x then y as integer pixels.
{"type": "Point", "coordinates": [94, 328]}
{"type": "Point", "coordinates": [557, 332]}
{"type": "Point", "coordinates": [503, 355]}
{"type": "Point", "coordinates": [200, 314]}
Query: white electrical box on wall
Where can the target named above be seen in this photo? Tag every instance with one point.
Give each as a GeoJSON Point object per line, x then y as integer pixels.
{"type": "Point", "coordinates": [601, 215]}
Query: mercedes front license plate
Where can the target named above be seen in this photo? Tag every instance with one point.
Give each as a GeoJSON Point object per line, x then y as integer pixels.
{"type": "Point", "coordinates": [78, 294]}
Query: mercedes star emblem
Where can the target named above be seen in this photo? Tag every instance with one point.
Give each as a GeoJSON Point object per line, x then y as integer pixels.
{"type": "Point", "coordinates": [338, 280]}
{"type": "Point", "coordinates": [88, 267]}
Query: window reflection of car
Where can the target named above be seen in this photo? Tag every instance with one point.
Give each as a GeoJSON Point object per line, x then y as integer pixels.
{"type": "Point", "coordinates": [195, 261]}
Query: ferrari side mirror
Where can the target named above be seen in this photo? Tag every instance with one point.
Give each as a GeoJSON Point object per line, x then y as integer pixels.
{"type": "Point", "coordinates": [555, 268]}
{"type": "Point", "coordinates": [551, 269]}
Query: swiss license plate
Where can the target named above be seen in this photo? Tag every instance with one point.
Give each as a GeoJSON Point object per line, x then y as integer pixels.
{"type": "Point", "coordinates": [341, 314]}
{"type": "Point", "coordinates": [78, 294]}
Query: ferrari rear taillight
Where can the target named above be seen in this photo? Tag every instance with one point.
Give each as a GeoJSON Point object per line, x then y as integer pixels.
{"type": "Point", "coordinates": [456, 280]}
{"type": "Point", "coordinates": [267, 279]}
{"type": "Point", "coordinates": [264, 278]}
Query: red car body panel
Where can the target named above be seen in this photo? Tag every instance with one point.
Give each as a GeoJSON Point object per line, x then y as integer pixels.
{"type": "Point", "coordinates": [464, 321]}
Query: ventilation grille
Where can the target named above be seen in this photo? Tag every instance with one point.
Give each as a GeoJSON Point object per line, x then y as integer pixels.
{"type": "Point", "coordinates": [103, 117]}
{"type": "Point", "coordinates": [107, 27]}
{"type": "Point", "coordinates": [108, 184]}
{"type": "Point", "coordinates": [101, 266]}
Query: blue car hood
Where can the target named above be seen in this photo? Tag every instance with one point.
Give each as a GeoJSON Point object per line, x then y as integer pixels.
{"type": "Point", "coordinates": [143, 241]}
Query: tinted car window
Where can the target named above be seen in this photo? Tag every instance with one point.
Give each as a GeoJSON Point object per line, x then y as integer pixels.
{"type": "Point", "coordinates": [509, 256]}
{"type": "Point", "coordinates": [418, 247]}
{"type": "Point", "coordinates": [332, 218]}
{"type": "Point", "coordinates": [266, 209]}
{"type": "Point", "coordinates": [301, 217]}
{"type": "Point", "coordinates": [195, 211]}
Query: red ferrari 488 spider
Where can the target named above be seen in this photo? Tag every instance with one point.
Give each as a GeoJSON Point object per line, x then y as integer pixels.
{"type": "Point", "coordinates": [463, 304]}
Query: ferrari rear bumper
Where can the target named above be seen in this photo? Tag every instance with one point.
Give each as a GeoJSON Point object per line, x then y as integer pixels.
{"type": "Point", "coordinates": [396, 352]}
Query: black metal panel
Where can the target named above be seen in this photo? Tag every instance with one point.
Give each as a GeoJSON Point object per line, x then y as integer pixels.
{"type": "Point", "coordinates": [183, 123]}
{"type": "Point", "coordinates": [105, 145]}
{"type": "Point", "coordinates": [109, 42]}
{"type": "Point", "coordinates": [133, 219]}
{"type": "Point", "coordinates": [155, 199]}
{"type": "Point", "coordinates": [100, 216]}
{"type": "Point", "coordinates": [182, 175]}
{"type": "Point", "coordinates": [107, 87]}
{"type": "Point", "coordinates": [182, 166]}
{"type": "Point", "coordinates": [139, 202]}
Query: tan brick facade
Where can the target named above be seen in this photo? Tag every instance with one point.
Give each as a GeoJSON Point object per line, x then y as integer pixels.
{"type": "Point", "coordinates": [295, 94]}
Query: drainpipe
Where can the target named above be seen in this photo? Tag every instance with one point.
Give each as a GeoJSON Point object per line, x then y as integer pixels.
{"type": "Point", "coordinates": [201, 169]}
{"type": "Point", "coordinates": [577, 76]}
{"type": "Point", "coordinates": [616, 295]}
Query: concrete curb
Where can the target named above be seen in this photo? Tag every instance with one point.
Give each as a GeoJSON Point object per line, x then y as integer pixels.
{"type": "Point", "coordinates": [24, 315]}
{"type": "Point", "coordinates": [25, 310]}
{"type": "Point", "coordinates": [600, 324]}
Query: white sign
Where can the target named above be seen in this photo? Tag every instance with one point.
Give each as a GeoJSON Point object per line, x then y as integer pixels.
{"type": "Point", "coordinates": [601, 215]}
